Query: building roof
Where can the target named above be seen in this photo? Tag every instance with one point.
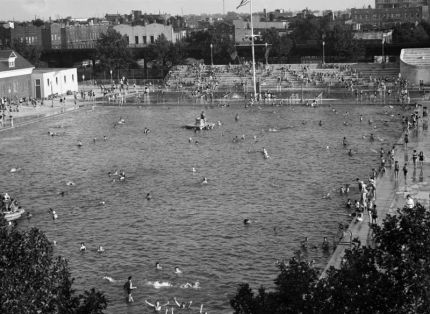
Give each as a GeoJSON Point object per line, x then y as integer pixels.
{"type": "Point", "coordinates": [51, 70]}
{"type": "Point", "coordinates": [20, 62]}
{"type": "Point", "coordinates": [416, 56]}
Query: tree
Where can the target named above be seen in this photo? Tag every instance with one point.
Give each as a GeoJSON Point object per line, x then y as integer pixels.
{"type": "Point", "coordinates": [33, 280]}
{"type": "Point", "coordinates": [31, 53]}
{"type": "Point", "coordinates": [392, 276]}
{"type": "Point", "coordinates": [111, 50]}
{"type": "Point", "coordinates": [409, 32]}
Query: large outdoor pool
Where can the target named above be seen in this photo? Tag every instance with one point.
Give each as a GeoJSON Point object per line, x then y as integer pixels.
{"type": "Point", "coordinates": [198, 228]}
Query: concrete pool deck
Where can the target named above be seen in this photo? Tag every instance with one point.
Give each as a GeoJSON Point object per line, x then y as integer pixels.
{"type": "Point", "coordinates": [391, 193]}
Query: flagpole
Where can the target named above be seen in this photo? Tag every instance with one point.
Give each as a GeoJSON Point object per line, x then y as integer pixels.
{"type": "Point", "coordinates": [253, 52]}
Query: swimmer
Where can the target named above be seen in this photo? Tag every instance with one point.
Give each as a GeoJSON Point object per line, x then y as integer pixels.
{"type": "Point", "coordinates": [194, 169]}
{"type": "Point", "coordinates": [190, 140]}
{"type": "Point", "coordinates": [158, 266]}
{"type": "Point", "coordinates": [83, 247]}
{"type": "Point", "coordinates": [102, 203]}
{"type": "Point", "coordinates": [177, 270]}
{"type": "Point", "coordinates": [79, 144]}
{"type": "Point", "coordinates": [342, 190]}
{"type": "Point", "coordinates": [110, 279]}
{"type": "Point", "coordinates": [29, 215]}
{"type": "Point", "coordinates": [53, 214]}
{"type": "Point", "coordinates": [304, 244]}
{"type": "Point", "coordinates": [148, 196]}
{"type": "Point", "coordinates": [54, 243]}
{"type": "Point", "coordinates": [328, 147]}
{"type": "Point", "coordinates": [157, 306]}
{"type": "Point", "coordinates": [100, 249]}
{"type": "Point", "coordinates": [327, 197]}
{"type": "Point", "coordinates": [70, 183]}
{"type": "Point", "coordinates": [94, 140]}
{"type": "Point", "coordinates": [320, 123]}
{"type": "Point", "coordinates": [265, 154]}
{"type": "Point", "coordinates": [189, 285]}
{"type": "Point", "coordinates": [104, 138]}
{"type": "Point", "coordinates": [348, 203]}
{"type": "Point", "coordinates": [325, 245]}
{"type": "Point", "coordinates": [13, 170]}
{"type": "Point", "coordinates": [247, 221]}
{"type": "Point", "coordinates": [204, 181]}
{"type": "Point", "coordinates": [350, 153]}
{"type": "Point", "coordinates": [236, 118]}
{"type": "Point", "coordinates": [182, 305]}
{"type": "Point", "coordinates": [344, 142]}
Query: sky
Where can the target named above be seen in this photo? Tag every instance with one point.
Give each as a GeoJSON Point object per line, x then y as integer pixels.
{"type": "Point", "coordinates": [19, 10]}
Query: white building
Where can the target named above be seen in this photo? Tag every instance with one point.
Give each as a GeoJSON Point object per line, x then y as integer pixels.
{"type": "Point", "coordinates": [415, 65]}
{"type": "Point", "coordinates": [141, 36]}
{"type": "Point", "coordinates": [45, 82]}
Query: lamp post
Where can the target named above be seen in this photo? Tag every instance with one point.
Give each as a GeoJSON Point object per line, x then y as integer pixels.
{"type": "Point", "coordinates": [266, 54]}
{"type": "Point", "coordinates": [212, 56]}
{"type": "Point", "coordinates": [110, 76]}
{"type": "Point", "coordinates": [323, 60]}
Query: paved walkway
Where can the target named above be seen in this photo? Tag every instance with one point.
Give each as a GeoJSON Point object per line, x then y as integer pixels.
{"type": "Point", "coordinates": [391, 193]}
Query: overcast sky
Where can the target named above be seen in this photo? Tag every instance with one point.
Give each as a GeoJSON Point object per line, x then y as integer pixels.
{"type": "Point", "coordinates": [28, 9]}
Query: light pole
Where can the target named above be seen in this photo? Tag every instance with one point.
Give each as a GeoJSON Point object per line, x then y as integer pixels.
{"type": "Point", "coordinates": [266, 54]}
{"type": "Point", "coordinates": [383, 42]}
{"type": "Point", "coordinates": [323, 60]}
{"type": "Point", "coordinates": [212, 56]}
{"type": "Point", "coordinates": [110, 76]}
{"type": "Point", "coordinates": [83, 79]}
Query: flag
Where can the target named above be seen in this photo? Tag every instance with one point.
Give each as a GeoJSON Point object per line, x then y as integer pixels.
{"type": "Point", "coordinates": [242, 3]}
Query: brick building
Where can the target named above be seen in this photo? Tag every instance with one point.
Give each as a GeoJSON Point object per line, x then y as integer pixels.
{"type": "Point", "coordinates": [81, 36]}
{"type": "Point", "coordinates": [392, 4]}
{"type": "Point", "coordinates": [389, 16]}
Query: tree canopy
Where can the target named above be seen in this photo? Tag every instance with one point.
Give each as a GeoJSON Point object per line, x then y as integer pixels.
{"type": "Point", "coordinates": [111, 50]}
{"type": "Point", "coordinates": [392, 276]}
{"type": "Point", "coordinates": [33, 280]}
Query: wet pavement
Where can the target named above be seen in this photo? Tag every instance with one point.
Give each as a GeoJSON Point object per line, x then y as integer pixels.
{"type": "Point", "coordinates": [391, 193]}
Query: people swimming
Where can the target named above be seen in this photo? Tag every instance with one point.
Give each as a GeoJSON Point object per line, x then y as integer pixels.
{"type": "Point", "coordinates": [158, 266]}
{"type": "Point", "coordinates": [204, 181]}
{"type": "Point", "coordinates": [265, 154]}
{"type": "Point", "coordinates": [344, 142]}
{"type": "Point", "coordinates": [325, 245]}
{"type": "Point", "coordinates": [79, 144]}
{"type": "Point", "coordinates": [148, 196]}
{"type": "Point", "coordinates": [157, 306]}
{"type": "Point", "coordinates": [83, 248]}
{"type": "Point", "coordinates": [247, 221]}
{"type": "Point", "coordinates": [53, 214]}
{"type": "Point", "coordinates": [177, 270]}
{"type": "Point", "coordinates": [100, 249]}
{"type": "Point", "coordinates": [350, 153]}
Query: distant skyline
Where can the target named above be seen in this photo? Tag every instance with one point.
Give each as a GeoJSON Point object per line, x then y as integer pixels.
{"type": "Point", "coordinates": [29, 9]}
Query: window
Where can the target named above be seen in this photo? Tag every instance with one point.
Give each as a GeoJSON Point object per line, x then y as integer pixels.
{"type": "Point", "coordinates": [48, 81]}
{"type": "Point", "coordinates": [73, 77]}
{"type": "Point", "coordinates": [65, 79]}
{"type": "Point", "coordinates": [56, 80]}
{"type": "Point", "coordinates": [144, 39]}
{"type": "Point", "coordinates": [152, 39]}
{"type": "Point", "coordinates": [11, 62]}
{"type": "Point", "coordinates": [136, 40]}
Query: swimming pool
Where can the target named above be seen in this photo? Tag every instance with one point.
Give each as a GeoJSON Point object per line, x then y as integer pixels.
{"type": "Point", "coordinates": [198, 228]}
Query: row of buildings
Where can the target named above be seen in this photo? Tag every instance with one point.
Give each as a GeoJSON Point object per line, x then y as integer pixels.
{"type": "Point", "coordinates": [142, 29]}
